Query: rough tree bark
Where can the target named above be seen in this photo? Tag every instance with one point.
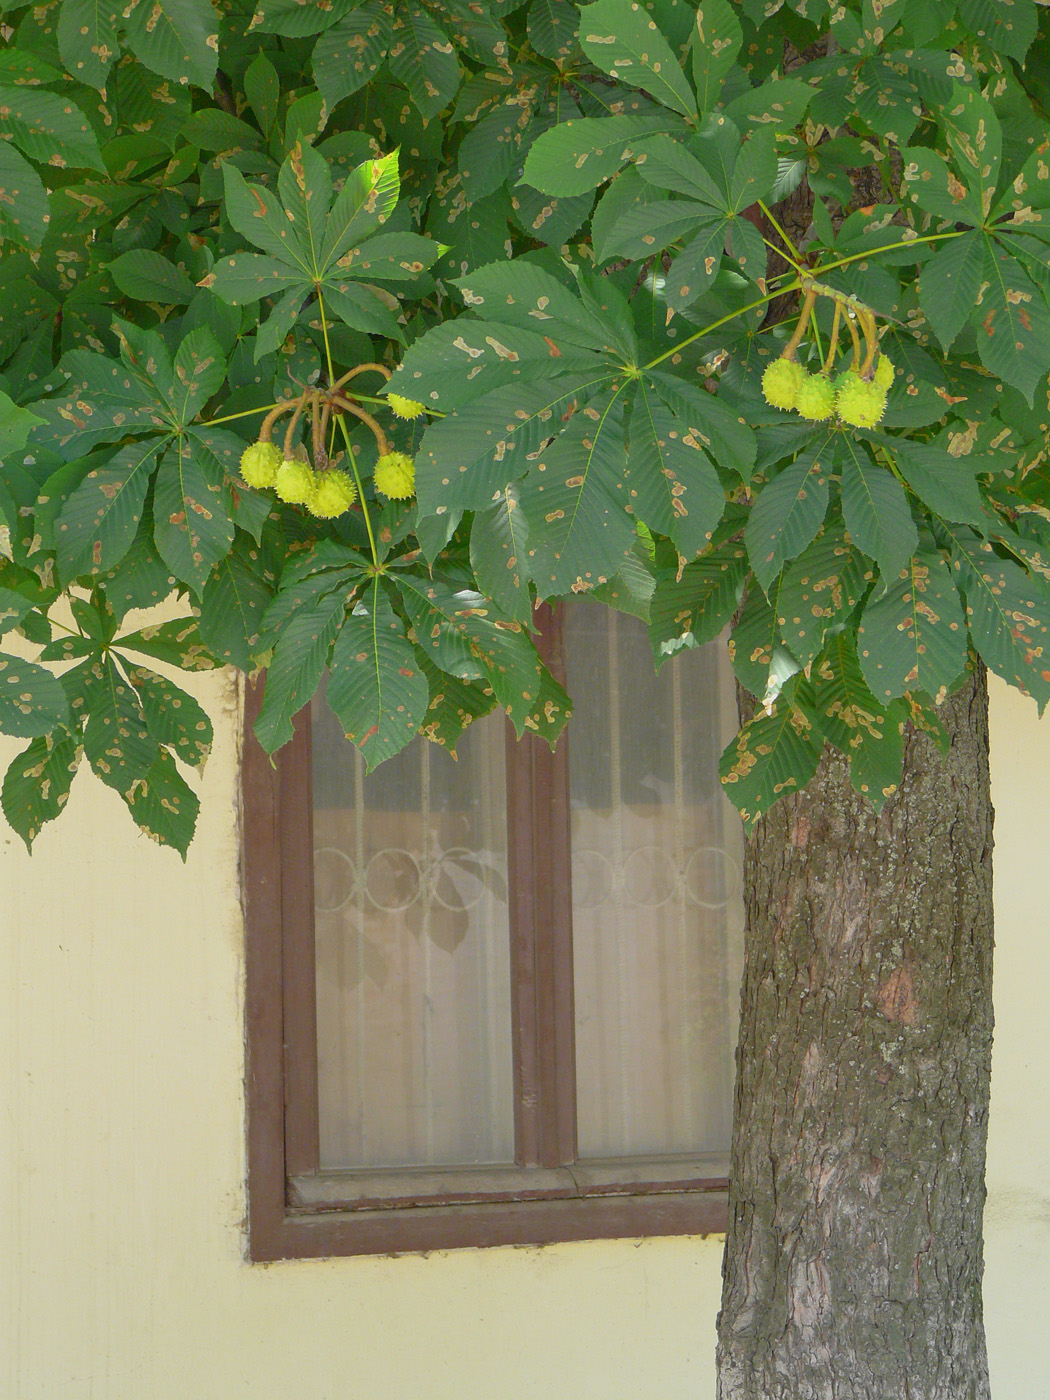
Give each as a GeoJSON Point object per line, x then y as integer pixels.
{"type": "Point", "coordinates": [854, 1256]}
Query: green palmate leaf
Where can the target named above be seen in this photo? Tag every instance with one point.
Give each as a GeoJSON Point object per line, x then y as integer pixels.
{"type": "Point", "coordinates": [649, 227]}
{"type": "Point", "coordinates": [552, 28]}
{"type": "Point", "coordinates": [15, 426]}
{"type": "Point", "coordinates": [697, 265]}
{"type": "Point", "coordinates": [463, 359]}
{"type": "Point", "coordinates": [422, 58]}
{"type": "Point", "coordinates": [396, 258]}
{"type": "Point", "coordinates": [762, 665]}
{"type": "Point", "coordinates": [117, 741]}
{"type": "Point", "coordinates": [716, 43]}
{"type": "Point", "coordinates": [498, 540]}
{"type": "Point", "coordinates": [163, 806]}
{"type": "Point", "coordinates": [490, 150]}
{"type": "Point", "coordinates": [103, 402]}
{"type": "Point", "coordinates": [141, 579]}
{"type": "Point", "coordinates": [262, 87]}
{"type": "Point", "coordinates": [673, 485]}
{"type": "Point", "coordinates": [467, 460]}
{"type": "Point", "coordinates": [929, 182]}
{"type": "Point", "coordinates": [976, 139]}
{"type": "Point", "coordinates": [1008, 25]}
{"type": "Point", "coordinates": [87, 38]}
{"type": "Point", "coordinates": [946, 483]}
{"type": "Point", "coordinates": [350, 54]}
{"type": "Point", "coordinates": [298, 662]}
{"type": "Point", "coordinates": [950, 285]}
{"type": "Point", "coordinates": [691, 606]}
{"type": "Point", "coordinates": [466, 636]}
{"type": "Point", "coordinates": [667, 163]}
{"type": "Point", "coordinates": [854, 721]}
{"type": "Point", "coordinates": [232, 606]}
{"type": "Point", "coordinates": [298, 18]}
{"type": "Point", "coordinates": [575, 501]}
{"type": "Point", "coordinates": [304, 183]}
{"type": "Point", "coordinates": [176, 38]}
{"type": "Point", "coordinates": [360, 306]}
{"type": "Point", "coordinates": [575, 156]}
{"type": "Point", "coordinates": [192, 526]}
{"type": "Point", "coordinates": [376, 685]}
{"type": "Point", "coordinates": [48, 128]}
{"type": "Point", "coordinates": [258, 215]}
{"type": "Point", "coordinates": [178, 643]}
{"type": "Point", "coordinates": [36, 786]}
{"type": "Point", "coordinates": [199, 372]}
{"type": "Point", "coordinates": [913, 636]}
{"type": "Point", "coordinates": [789, 511]}
{"type": "Point", "coordinates": [819, 591]}
{"type": "Point", "coordinates": [1008, 611]}
{"type": "Point", "coordinates": [1012, 322]}
{"type": "Point", "coordinates": [779, 105]}
{"type": "Point", "coordinates": [453, 705]}
{"type": "Point", "coordinates": [524, 295]}
{"type": "Point", "coordinates": [13, 608]}
{"type": "Point", "coordinates": [173, 717]}
{"type": "Point", "coordinates": [363, 205]}
{"type": "Point", "coordinates": [32, 702]}
{"type": "Point", "coordinates": [99, 520]}
{"type": "Point", "coordinates": [773, 754]}
{"type": "Point", "coordinates": [875, 508]}
{"type": "Point", "coordinates": [725, 434]}
{"type": "Point", "coordinates": [249, 277]}
{"type": "Point", "coordinates": [147, 276]}
{"type": "Point", "coordinates": [623, 40]}
{"type": "Point", "coordinates": [23, 200]}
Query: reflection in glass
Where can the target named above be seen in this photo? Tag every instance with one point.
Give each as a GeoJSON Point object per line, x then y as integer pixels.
{"type": "Point", "coordinates": [657, 917]}
{"type": "Point", "coordinates": [413, 952]}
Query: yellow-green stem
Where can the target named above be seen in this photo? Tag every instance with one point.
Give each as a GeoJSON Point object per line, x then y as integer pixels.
{"type": "Point", "coordinates": [834, 345]}
{"type": "Point", "coordinates": [360, 489]}
{"type": "Point", "coordinates": [796, 256]}
{"type": "Point", "coordinates": [244, 413]}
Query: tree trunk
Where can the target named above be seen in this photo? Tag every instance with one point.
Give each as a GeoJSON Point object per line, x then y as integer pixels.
{"type": "Point", "coordinates": [853, 1260]}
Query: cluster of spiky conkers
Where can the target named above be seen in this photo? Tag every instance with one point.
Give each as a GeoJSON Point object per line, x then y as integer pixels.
{"type": "Point", "coordinates": [320, 485]}
{"type": "Point", "coordinates": [857, 395]}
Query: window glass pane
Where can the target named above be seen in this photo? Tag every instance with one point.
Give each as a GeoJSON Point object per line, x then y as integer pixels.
{"type": "Point", "coordinates": [413, 979]}
{"type": "Point", "coordinates": [657, 910]}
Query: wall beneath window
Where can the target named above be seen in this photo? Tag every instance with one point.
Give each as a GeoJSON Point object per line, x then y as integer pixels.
{"type": "Point", "coordinates": [121, 1157]}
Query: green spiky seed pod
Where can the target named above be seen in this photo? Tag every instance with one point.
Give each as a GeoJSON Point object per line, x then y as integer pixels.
{"type": "Point", "coordinates": [404, 408]}
{"type": "Point", "coordinates": [816, 398]}
{"type": "Point", "coordinates": [395, 476]}
{"type": "Point", "coordinates": [858, 401]}
{"type": "Point", "coordinates": [334, 494]}
{"type": "Point", "coordinates": [260, 462]}
{"type": "Point", "coordinates": [781, 382]}
{"type": "Point", "coordinates": [295, 483]}
{"type": "Point", "coordinates": [884, 372]}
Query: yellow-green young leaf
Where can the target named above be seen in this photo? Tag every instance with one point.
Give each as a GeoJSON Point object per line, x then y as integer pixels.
{"type": "Point", "coordinates": [163, 806]}
{"type": "Point", "coordinates": [775, 753]}
{"type": "Point", "coordinates": [350, 54]}
{"type": "Point", "coordinates": [36, 786]}
{"type": "Point", "coordinates": [621, 39]}
{"type": "Point", "coordinates": [913, 636]}
{"type": "Point", "coordinates": [178, 39]}
{"type": "Point", "coordinates": [362, 206]}
{"type": "Point", "coordinates": [376, 685]}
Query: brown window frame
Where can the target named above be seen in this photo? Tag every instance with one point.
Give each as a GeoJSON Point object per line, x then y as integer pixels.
{"type": "Point", "coordinates": [295, 1210]}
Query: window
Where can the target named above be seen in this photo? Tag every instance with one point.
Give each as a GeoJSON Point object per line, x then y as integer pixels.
{"type": "Point", "coordinates": [493, 1000]}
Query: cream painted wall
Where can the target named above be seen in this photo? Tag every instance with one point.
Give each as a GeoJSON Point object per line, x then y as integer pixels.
{"type": "Point", "coordinates": [122, 1274]}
